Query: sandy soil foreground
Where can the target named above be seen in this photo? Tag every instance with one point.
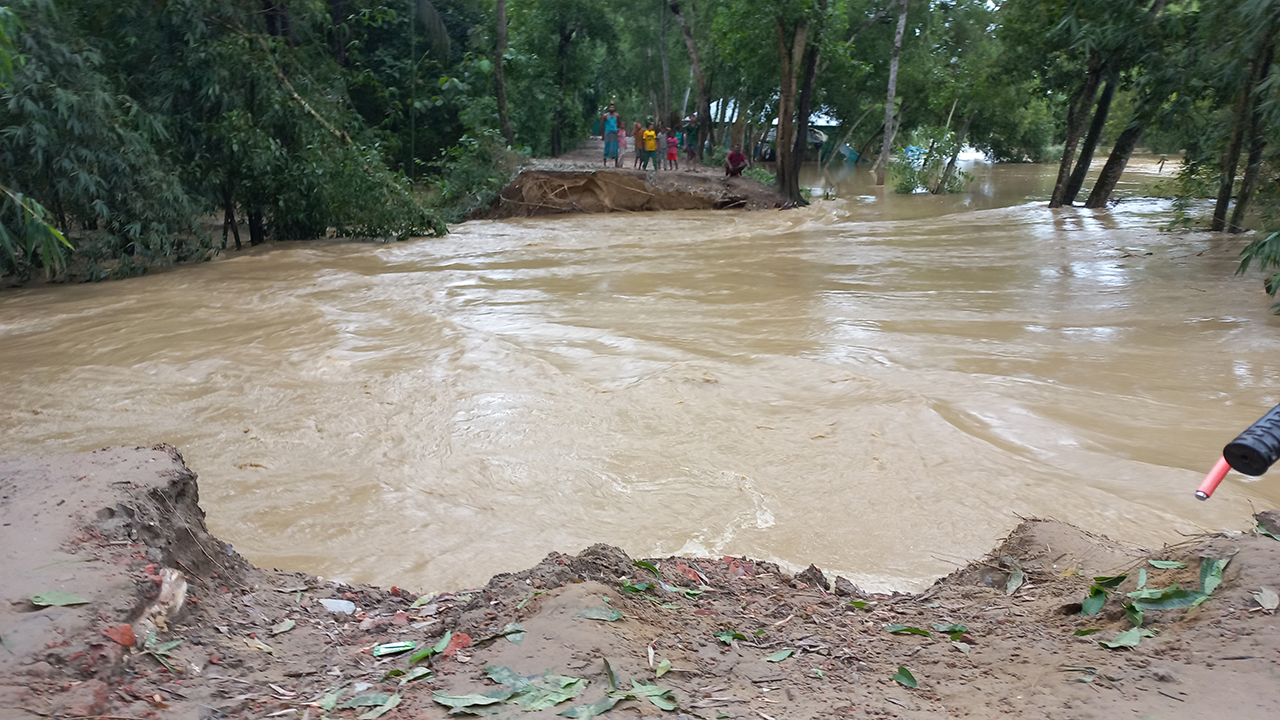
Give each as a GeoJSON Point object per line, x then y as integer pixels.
{"type": "Point", "coordinates": [117, 603]}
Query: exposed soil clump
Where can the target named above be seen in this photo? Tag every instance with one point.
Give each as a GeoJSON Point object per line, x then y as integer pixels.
{"type": "Point", "coordinates": [121, 530]}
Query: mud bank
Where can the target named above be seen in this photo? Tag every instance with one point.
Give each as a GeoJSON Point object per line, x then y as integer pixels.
{"type": "Point", "coordinates": [119, 532]}
{"type": "Point", "coordinates": [552, 192]}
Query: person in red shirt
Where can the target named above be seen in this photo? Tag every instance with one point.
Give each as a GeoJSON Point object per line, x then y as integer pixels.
{"type": "Point", "coordinates": [735, 163]}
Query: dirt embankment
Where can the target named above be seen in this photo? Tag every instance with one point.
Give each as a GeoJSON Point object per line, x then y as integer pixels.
{"type": "Point", "coordinates": [579, 182]}
{"type": "Point", "coordinates": [553, 191]}
{"type": "Point", "coordinates": [119, 532]}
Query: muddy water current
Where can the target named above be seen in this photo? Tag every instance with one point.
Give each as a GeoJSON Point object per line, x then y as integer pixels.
{"type": "Point", "coordinates": [876, 384]}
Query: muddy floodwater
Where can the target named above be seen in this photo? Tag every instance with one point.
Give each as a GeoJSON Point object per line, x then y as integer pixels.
{"type": "Point", "coordinates": [877, 384]}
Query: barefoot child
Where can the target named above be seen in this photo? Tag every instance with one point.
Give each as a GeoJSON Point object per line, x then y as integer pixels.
{"type": "Point", "coordinates": [673, 150]}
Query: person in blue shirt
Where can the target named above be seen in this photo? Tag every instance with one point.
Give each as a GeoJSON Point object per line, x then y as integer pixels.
{"type": "Point", "coordinates": [609, 126]}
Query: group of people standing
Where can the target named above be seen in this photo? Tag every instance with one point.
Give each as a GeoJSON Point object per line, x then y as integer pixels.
{"type": "Point", "coordinates": [652, 144]}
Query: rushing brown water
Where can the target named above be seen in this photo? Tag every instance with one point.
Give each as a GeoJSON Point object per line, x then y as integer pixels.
{"type": "Point", "coordinates": [879, 385]}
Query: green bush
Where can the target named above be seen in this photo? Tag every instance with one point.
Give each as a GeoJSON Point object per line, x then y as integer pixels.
{"type": "Point", "coordinates": [759, 173]}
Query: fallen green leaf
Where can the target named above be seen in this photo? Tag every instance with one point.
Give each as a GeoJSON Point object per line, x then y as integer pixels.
{"type": "Point", "coordinates": [1133, 612]}
{"type": "Point", "coordinates": [601, 613]}
{"type": "Point", "coordinates": [1142, 578]}
{"type": "Point", "coordinates": [595, 709]}
{"type": "Point", "coordinates": [661, 702]}
{"type": "Point", "coordinates": [547, 690]}
{"type": "Point", "coordinates": [57, 598]}
{"type": "Point", "coordinates": [907, 630]}
{"type": "Point", "coordinates": [610, 675]}
{"type": "Point", "coordinates": [780, 655]}
{"type": "Point", "coordinates": [904, 677]}
{"type": "Point", "coordinates": [423, 600]}
{"type": "Point", "coordinates": [1167, 598]}
{"type": "Point", "coordinates": [329, 700]}
{"type": "Point", "coordinates": [654, 694]}
{"type": "Point", "coordinates": [1127, 639]}
{"type": "Point", "coordinates": [659, 603]}
{"type": "Point", "coordinates": [385, 707]}
{"type": "Point", "coordinates": [415, 674]}
{"type": "Point", "coordinates": [1089, 631]}
{"type": "Point", "coordinates": [514, 632]}
{"type": "Point", "coordinates": [728, 636]}
{"type": "Point", "coordinates": [663, 667]}
{"type": "Point", "coordinates": [1092, 604]}
{"type": "Point", "coordinates": [1016, 578]}
{"type": "Point", "coordinates": [1267, 598]}
{"type": "Point", "coordinates": [464, 701]}
{"type": "Point", "coordinates": [954, 630]}
{"type": "Point", "coordinates": [1167, 564]}
{"type": "Point", "coordinates": [254, 643]}
{"type": "Point", "coordinates": [961, 646]}
{"type": "Point", "coordinates": [859, 604]}
{"type": "Point", "coordinates": [506, 676]}
{"type": "Point", "coordinates": [436, 649]}
{"type": "Point", "coordinates": [1110, 581]}
{"type": "Point", "coordinates": [284, 626]}
{"type": "Point", "coordinates": [648, 566]}
{"type": "Point", "coordinates": [1263, 531]}
{"type": "Point", "coordinates": [393, 648]}
{"type": "Point", "coordinates": [1211, 574]}
{"type": "Point", "coordinates": [367, 700]}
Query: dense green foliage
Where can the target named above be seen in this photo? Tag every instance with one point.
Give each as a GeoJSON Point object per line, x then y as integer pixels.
{"type": "Point", "coordinates": [129, 129]}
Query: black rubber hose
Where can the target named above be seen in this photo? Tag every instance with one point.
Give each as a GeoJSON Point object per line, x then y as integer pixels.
{"type": "Point", "coordinates": [1257, 448]}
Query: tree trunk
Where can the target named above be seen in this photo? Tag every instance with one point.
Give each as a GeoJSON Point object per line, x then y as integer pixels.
{"type": "Point", "coordinates": [1116, 163]}
{"type": "Point", "coordinates": [1257, 143]}
{"type": "Point", "coordinates": [276, 15]}
{"type": "Point", "coordinates": [716, 137]}
{"type": "Point", "coordinates": [666, 65]}
{"type": "Point", "coordinates": [804, 106]}
{"type": "Point", "coordinates": [1076, 114]}
{"type": "Point", "coordinates": [790, 52]}
{"type": "Point", "coordinates": [941, 187]}
{"type": "Point", "coordinates": [1090, 144]}
{"type": "Point", "coordinates": [257, 233]}
{"type": "Point", "coordinates": [339, 35]}
{"type": "Point", "coordinates": [704, 93]}
{"type": "Point", "coordinates": [1231, 158]}
{"type": "Point", "coordinates": [499, 79]}
{"type": "Point", "coordinates": [882, 163]}
{"type": "Point", "coordinates": [562, 81]}
{"type": "Point", "coordinates": [229, 221]}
